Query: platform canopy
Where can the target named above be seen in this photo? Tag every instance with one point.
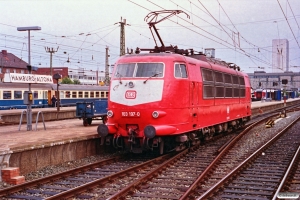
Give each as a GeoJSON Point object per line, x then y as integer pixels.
{"type": "Point", "coordinates": [27, 78]}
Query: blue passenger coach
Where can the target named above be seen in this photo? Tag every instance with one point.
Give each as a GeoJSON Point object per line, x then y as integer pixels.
{"type": "Point", "coordinates": [12, 94]}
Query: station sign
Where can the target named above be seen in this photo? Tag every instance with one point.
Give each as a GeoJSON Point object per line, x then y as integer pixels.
{"type": "Point", "coordinates": [27, 78]}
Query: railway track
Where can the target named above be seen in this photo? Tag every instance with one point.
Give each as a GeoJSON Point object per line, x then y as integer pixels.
{"type": "Point", "coordinates": [173, 177]}
{"type": "Point", "coordinates": [59, 185]}
{"type": "Point", "coordinates": [109, 177]}
{"type": "Point", "coordinates": [260, 174]}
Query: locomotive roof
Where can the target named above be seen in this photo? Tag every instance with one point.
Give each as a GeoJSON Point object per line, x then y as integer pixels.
{"type": "Point", "coordinates": [201, 57]}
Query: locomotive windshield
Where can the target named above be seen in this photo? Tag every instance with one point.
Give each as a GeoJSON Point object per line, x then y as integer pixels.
{"type": "Point", "coordinates": [139, 70]}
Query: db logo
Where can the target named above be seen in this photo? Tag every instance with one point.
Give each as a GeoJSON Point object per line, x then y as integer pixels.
{"type": "Point", "coordinates": [130, 94]}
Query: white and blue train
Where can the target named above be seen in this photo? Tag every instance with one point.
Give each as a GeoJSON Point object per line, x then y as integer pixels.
{"type": "Point", "coordinates": [12, 94]}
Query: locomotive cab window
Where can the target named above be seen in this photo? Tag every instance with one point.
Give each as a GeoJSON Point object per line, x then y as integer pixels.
{"type": "Point", "coordinates": [180, 71]}
{"type": "Point", "coordinates": [149, 70]}
{"type": "Point", "coordinates": [139, 70]}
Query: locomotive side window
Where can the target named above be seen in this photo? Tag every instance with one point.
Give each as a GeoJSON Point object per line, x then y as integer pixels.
{"type": "Point", "coordinates": [242, 87]}
{"type": "Point", "coordinates": [149, 70]}
{"type": "Point", "coordinates": [6, 94]}
{"type": "Point", "coordinates": [219, 77]}
{"type": "Point", "coordinates": [17, 94]}
{"type": "Point", "coordinates": [228, 92]}
{"type": "Point", "coordinates": [227, 78]}
{"type": "Point", "coordinates": [220, 91]}
{"type": "Point", "coordinates": [235, 80]}
{"type": "Point", "coordinates": [208, 91]}
{"type": "Point", "coordinates": [242, 81]}
{"type": "Point", "coordinates": [180, 71]}
{"type": "Point", "coordinates": [207, 75]}
{"type": "Point", "coordinates": [236, 89]}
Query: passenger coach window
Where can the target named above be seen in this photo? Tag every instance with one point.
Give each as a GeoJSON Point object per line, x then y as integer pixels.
{"type": "Point", "coordinates": [6, 94]}
{"type": "Point", "coordinates": [17, 94]}
{"type": "Point", "coordinates": [102, 95]}
{"type": "Point", "coordinates": [86, 94]}
{"type": "Point", "coordinates": [74, 94]}
{"type": "Point", "coordinates": [68, 94]}
{"type": "Point", "coordinates": [80, 95]}
{"type": "Point", "coordinates": [92, 94]}
{"type": "Point", "coordinates": [97, 94]}
{"type": "Point", "coordinates": [180, 71]}
{"type": "Point", "coordinates": [35, 94]}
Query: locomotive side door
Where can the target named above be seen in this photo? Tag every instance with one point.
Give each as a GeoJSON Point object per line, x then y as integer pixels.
{"type": "Point", "coordinates": [194, 90]}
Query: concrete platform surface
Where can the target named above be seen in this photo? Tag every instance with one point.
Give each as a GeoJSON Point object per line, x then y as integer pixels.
{"type": "Point", "coordinates": [62, 131]}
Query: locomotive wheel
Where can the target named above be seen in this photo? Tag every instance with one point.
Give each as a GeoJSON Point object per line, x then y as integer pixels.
{"type": "Point", "coordinates": [89, 121]}
{"type": "Point", "coordinates": [104, 119]}
{"type": "Point", "coordinates": [85, 122]}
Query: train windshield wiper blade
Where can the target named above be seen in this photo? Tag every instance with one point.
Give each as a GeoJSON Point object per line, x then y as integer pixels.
{"type": "Point", "coordinates": [119, 75]}
{"type": "Point", "coordinates": [152, 76]}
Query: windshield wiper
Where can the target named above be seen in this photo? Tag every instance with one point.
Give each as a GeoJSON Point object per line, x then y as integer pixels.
{"type": "Point", "coordinates": [152, 76]}
{"type": "Point", "coordinates": [119, 75]}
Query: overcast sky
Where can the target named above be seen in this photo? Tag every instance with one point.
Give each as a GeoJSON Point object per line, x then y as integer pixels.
{"type": "Point", "coordinates": [241, 31]}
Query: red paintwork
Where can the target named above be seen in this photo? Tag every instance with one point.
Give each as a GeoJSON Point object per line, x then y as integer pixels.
{"type": "Point", "coordinates": [182, 102]}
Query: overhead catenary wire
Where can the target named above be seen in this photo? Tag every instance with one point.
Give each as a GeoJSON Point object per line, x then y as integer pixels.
{"type": "Point", "coordinates": [288, 22]}
{"type": "Point", "coordinates": [232, 48]}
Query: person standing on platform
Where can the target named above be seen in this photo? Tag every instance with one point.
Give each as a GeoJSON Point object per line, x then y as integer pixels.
{"type": "Point", "coordinates": [53, 100]}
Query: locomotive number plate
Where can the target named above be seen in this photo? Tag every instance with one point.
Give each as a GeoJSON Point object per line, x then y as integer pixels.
{"type": "Point", "coordinates": [131, 114]}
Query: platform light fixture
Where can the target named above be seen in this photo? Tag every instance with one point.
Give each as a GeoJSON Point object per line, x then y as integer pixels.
{"type": "Point", "coordinates": [29, 110]}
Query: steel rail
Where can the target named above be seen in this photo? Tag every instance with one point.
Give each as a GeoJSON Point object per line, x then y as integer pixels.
{"type": "Point", "coordinates": [209, 192]}
{"type": "Point", "coordinates": [51, 178]}
{"type": "Point", "coordinates": [87, 186]}
{"type": "Point", "coordinates": [283, 181]}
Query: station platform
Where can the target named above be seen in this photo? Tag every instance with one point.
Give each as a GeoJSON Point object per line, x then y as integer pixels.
{"type": "Point", "coordinates": [62, 141]}
{"type": "Point", "coordinates": [65, 139]}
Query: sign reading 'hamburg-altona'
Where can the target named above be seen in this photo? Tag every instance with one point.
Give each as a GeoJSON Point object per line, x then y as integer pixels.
{"type": "Point", "coordinates": [27, 78]}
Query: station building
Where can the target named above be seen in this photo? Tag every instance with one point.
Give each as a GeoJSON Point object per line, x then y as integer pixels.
{"type": "Point", "coordinates": [263, 80]}
{"type": "Point", "coordinates": [9, 63]}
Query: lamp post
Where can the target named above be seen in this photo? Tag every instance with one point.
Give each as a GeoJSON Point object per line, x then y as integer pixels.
{"type": "Point", "coordinates": [29, 113]}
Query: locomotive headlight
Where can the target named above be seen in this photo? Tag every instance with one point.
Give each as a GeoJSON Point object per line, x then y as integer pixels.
{"type": "Point", "coordinates": [110, 113]}
{"type": "Point", "coordinates": [158, 113]}
{"type": "Point", "coordinates": [155, 114]}
{"type": "Point", "coordinates": [131, 84]}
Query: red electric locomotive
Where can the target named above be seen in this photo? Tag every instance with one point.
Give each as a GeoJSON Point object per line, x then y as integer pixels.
{"type": "Point", "coordinates": [165, 101]}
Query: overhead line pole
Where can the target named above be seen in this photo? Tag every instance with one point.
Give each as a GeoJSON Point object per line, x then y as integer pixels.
{"type": "Point", "coordinates": [51, 51]}
{"type": "Point", "coordinates": [122, 36]}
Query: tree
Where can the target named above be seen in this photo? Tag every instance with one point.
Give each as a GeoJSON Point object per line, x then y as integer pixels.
{"type": "Point", "coordinates": [76, 81]}
{"type": "Point", "coordinates": [67, 80]}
